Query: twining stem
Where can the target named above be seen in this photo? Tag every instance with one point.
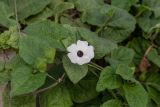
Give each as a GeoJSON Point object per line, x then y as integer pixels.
{"type": "Point", "coordinates": [58, 81]}
{"type": "Point", "coordinates": [56, 18]}
{"type": "Point", "coordinates": [44, 89]}
{"type": "Point", "coordinates": [51, 77]}
{"type": "Point", "coordinates": [95, 73]}
{"type": "Point", "coordinates": [16, 16]}
{"type": "Point", "coordinates": [51, 86]}
{"type": "Point", "coordinates": [96, 66]}
{"type": "Point", "coordinates": [141, 11]}
{"type": "Point", "coordinates": [148, 50]}
{"type": "Point", "coordinates": [113, 94]}
{"type": "Point", "coordinates": [91, 64]}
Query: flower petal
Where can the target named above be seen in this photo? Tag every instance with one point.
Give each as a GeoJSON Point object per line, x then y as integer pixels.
{"type": "Point", "coordinates": [74, 58]}
{"type": "Point", "coordinates": [90, 52]}
{"type": "Point", "coordinates": [72, 48]}
{"type": "Point", "coordinates": [82, 45]}
{"type": "Point", "coordinates": [83, 60]}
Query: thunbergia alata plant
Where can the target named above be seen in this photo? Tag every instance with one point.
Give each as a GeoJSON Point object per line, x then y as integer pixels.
{"type": "Point", "coordinates": [80, 53]}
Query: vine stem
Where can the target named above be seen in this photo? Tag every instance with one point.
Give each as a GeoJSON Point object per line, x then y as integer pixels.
{"type": "Point", "coordinates": [51, 86]}
{"type": "Point", "coordinates": [44, 89]}
{"type": "Point", "coordinates": [51, 77]}
{"type": "Point", "coordinates": [94, 65]}
{"type": "Point", "coordinates": [148, 50]}
{"type": "Point", "coordinates": [95, 73]}
{"type": "Point", "coordinates": [58, 81]}
{"type": "Point", "coordinates": [113, 94]}
{"type": "Point", "coordinates": [16, 15]}
{"type": "Point", "coordinates": [56, 18]}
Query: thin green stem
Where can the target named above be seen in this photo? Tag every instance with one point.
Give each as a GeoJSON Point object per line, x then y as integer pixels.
{"type": "Point", "coordinates": [58, 81]}
{"type": "Point", "coordinates": [51, 77]}
{"type": "Point", "coordinates": [94, 67]}
{"type": "Point", "coordinates": [95, 74]}
{"type": "Point", "coordinates": [141, 11]}
{"type": "Point", "coordinates": [98, 66]}
{"type": "Point", "coordinates": [44, 89]}
{"type": "Point", "coordinates": [56, 18]}
{"type": "Point", "coordinates": [113, 94]}
{"type": "Point", "coordinates": [16, 16]}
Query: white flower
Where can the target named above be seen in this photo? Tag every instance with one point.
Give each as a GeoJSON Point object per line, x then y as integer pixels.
{"type": "Point", "coordinates": [80, 53]}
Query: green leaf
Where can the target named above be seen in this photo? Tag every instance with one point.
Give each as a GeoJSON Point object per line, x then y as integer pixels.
{"type": "Point", "coordinates": [18, 101]}
{"type": "Point", "coordinates": [9, 38]}
{"type": "Point", "coordinates": [112, 103]}
{"type": "Point", "coordinates": [154, 57]}
{"type": "Point", "coordinates": [121, 55]}
{"type": "Point", "coordinates": [89, 4]}
{"type": "Point", "coordinates": [94, 16]}
{"type": "Point", "coordinates": [135, 94]}
{"type": "Point", "coordinates": [36, 51]}
{"type": "Point", "coordinates": [124, 4]}
{"type": "Point", "coordinates": [72, 38]}
{"type": "Point", "coordinates": [75, 72]}
{"type": "Point", "coordinates": [119, 25]}
{"type": "Point", "coordinates": [153, 32]}
{"type": "Point", "coordinates": [125, 72]}
{"type": "Point", "coordinates": [24, 81]}
{"type": "Point", "coordinates": [67, 21]}
{"type": "Point", "coordinates": [43, 15]}
{"type": "Point", "coordinates": [62, 7]}
{"type": "Point", "coordinates": [101, 45]}
{"type": "Point", "coordinates": [139, 45]}
{"type": "Point", "coordinates": [9, 63]}
{"type": "Point", "coordinates": [4, 37]}
{"type": "Point", "coordinates": [90, 11]}
{"type": "Point", "coordinates": [5, 67]}
{"type": "Point", "coordinates": [48, 29]}
{"type": "Point", "coordinates": [57, 7]}
{"type": "Point", "coordinates": [5, 15]}
{"type": "Point", "coordinates": [56, 97]}
{"type": "Point", "coordinates": [14, 62]}
{"type": "Point", "coordinates": [115, 24]}
{"type": "Point", "coordinates": [83, 91]}
{"type": "Point", "coordinates": [147, 21]}
{"type": "Point", "coordinates": [154, 95]}
{"type": "Point", "coordinates": [153, 5]}
{"type": "Point", "coordinates": [108, 80]}
{"type": "Point", "coordinates": [55, 3]}
{"type": "Point", "coordinates": [22, 101]}
{"type": "Point", "coordinates": [154, 80]}
{"type": "Point", "coordinates": [29, 7]}
{"type": "Point", "coordinates": [4, 77]}
{"type": "Point", "coordinates": [92, 103]}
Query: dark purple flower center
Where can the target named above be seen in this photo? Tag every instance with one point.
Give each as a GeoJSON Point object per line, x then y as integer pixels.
{"type": "Point", "coordinates": [80, 53]}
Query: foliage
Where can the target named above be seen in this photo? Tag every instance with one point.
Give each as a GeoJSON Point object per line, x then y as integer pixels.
{"type": "Point", "coordinates": [35, 34]}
